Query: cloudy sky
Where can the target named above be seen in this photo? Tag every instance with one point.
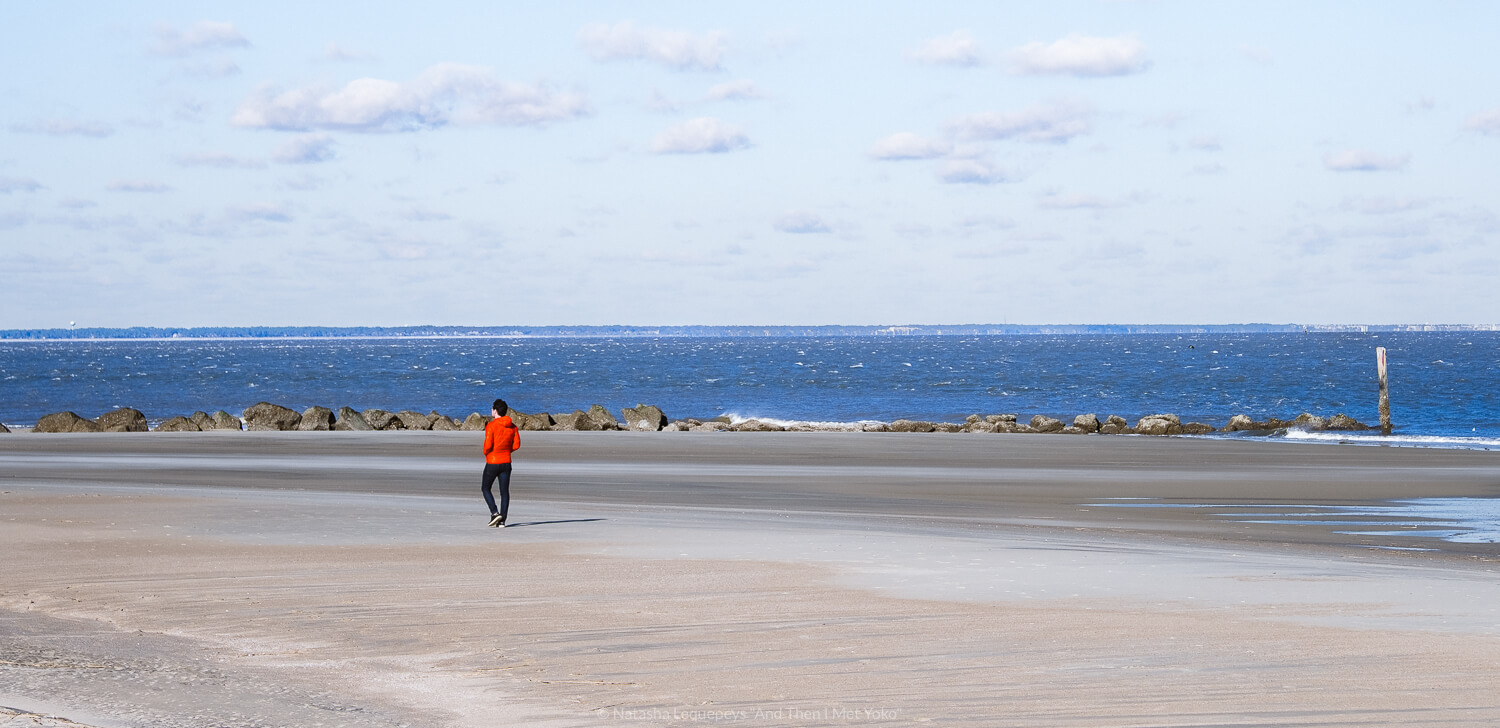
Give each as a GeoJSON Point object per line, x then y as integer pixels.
{"type": "Point", "coordinates": [329, 163]}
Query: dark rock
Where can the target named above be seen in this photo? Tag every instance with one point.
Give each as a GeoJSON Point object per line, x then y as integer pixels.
{"type": "Point", "coordinates": [474, 422]}
{"type": "Point", "coordinates": [1345, 422]}
{"type": "Point", "coordinates": [66, 422]}
{"type": "Point", "coordinates": [178, 424]}
{"type": "Point", "coordinates": [644, 417]}
{"type": "Point", "coordinates": [225, 421]}
{"type": "Point", "coordinates": [3, 429]}
{"type": "Point", "coordinates": [267, 416]}
{"type": "Point", "coordinates": [576, 420]}
{"type": "Point", "coordinates": [1043, 423]}
{"type": "Point", "coordinates": [540, 421]}
{"type": "Point", "coordinates": [202, 420]}
{"type": "Point", "coordinates": [1115, 428]}
{"type": "Point", "coordinates": [1087, 423]}
{"type": "Point", "coordinates": [350, 420]}
{"type": "Point", "coordinates": [910, 426]}
{"type": "Point", "coordinates": [757, 426]}
{"type": "Point", "coordinates": [414, 420]}
{"type": "Point", "coordinates": [441, 422]}
{"type": "Point", "coordinates": [1196, 428]}
{"type": "Point", "coordinates": [319, 419]}
{"type": "Point", "coordinates": [379, 419]}
{"type": "Point", "coordinates": [124, 419]}
{"type": "Point", "coordinates": [1158, 425]}
{"type": "Point", "coordinates": [1309, 421]}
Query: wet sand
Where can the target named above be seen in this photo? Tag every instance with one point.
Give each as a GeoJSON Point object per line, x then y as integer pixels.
{"type": "Point", "coordinates": [346, 579]}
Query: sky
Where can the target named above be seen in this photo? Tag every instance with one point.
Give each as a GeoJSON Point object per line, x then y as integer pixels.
{"type": "Point", "coordinates": [582, 163]}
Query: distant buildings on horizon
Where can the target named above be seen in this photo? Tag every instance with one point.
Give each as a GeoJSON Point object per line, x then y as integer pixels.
{"type": "Point", "coordinates": [331, 332]}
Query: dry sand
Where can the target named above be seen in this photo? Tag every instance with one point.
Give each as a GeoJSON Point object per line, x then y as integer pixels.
{"type": "Point", "coordinates": [347, 579]}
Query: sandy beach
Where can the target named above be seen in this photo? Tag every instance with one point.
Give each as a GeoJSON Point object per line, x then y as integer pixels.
{"type": "Point", "coordinates": [777, 579]}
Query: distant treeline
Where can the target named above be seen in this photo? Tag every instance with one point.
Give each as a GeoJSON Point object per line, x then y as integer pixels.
{"type": "Point", "coordinates": [334, 332]}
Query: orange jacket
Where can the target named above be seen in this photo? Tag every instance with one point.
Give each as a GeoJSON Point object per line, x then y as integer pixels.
{"type": "Point", "coordinates": [500, 439]}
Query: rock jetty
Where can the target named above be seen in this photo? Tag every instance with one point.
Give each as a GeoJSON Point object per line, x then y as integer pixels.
{"type": "Point", "coordinates": [266, 416]}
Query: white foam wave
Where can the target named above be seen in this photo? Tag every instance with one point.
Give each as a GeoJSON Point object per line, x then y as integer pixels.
{"type": "Point", "coordinates": [1396, 440]}
{"type": "Point", "coordinates": [856, 426]}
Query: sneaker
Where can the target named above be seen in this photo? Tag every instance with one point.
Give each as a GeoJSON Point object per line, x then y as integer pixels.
{"type": "Point", "coordinates": [501, 524]}
{"type": "Point", "coordinates": [496, 520]}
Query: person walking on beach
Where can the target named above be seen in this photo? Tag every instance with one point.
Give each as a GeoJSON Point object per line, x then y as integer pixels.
{"type": "Point", "coordinates": [501, 438]}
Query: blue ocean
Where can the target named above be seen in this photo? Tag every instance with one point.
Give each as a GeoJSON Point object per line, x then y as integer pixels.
{"type": "Point", "coordinates": [1445, 387]}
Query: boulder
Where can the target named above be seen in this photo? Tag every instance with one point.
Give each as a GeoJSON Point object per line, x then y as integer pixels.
{"type": "Point", "coordinates": [972, 419]}
{"type": "Point", "coordinates": [709, 426]}
{"type": "Point", "coordinates": [1196, 428]}
{"type": "Point", "coordinates": [540, 421]}
{"type": "Point", "coordinates": [441, 422]}
{"type": "Point", "coordinates": [603, 418]}
{"type": "Point", "coordinates": [202, 420]}
{"type": "Point", "coordinates": [474, 422]}
{"type": "Point", "coordinates": [319, 419]}
{"type": "Point", "coordinates": [1087, 423]}
{"type": "Point", "coordinates": [757, 426]}
{"type": "Point", "coordinates": [1309, 421]}
{"type": "Point", "coordinates": [414, 420]}
{"type": "Point", "coordinates": [1074, 430]}
{"type": "Point", "coordinates": [178, 424]}
{"type": "Point", "coordinates": [980, 426]}
{"type": "Point", "coordinates": [1112, 427]}
{"type": "Point", "coordinates": [379, 419]}
{"type": "Point", "coordinates": [1005, 426]}
{"type": "Point", "coordinates": [267, 416]}
{"type": "Point", "coordinates": [910, 426]}
{"type": "Point", "coordinates": [875, 427]}
{"type": "Point", "coordinates": [350, 420]}
{"type": "Point", "coordinates": [1158, 425]}
{"type": "Point", "coordinates": [997, 419]}
{"type": "Point", "coordinates": [576, 420]}
{"type": "Point", "coordinates": [947, 427]}
{"type": "Point", "coordinates": [1043, 423]}
{"type": "Point", "coordinates": [675, 427]}
{"type": "Point", "coordinates": [66, 422]}
{"type": "Point", "coordinates": [1023, 427]}
{"type": "Point", "coordinates": [1240, 423]}
{"type": "Point", "coordinates": [644, 417]}
{"type": "Point", "coordinates": [3, 429]}
{"type": "Point", "coordinates": [1345, 422]}
{"type": "Point", "coordinates": [225, 421]}
{"type": "Point", "coordinates": [124, 419]}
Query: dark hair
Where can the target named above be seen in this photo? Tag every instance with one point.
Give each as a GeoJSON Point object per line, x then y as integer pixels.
{"type": "Point", "coordinates": [501, 407]}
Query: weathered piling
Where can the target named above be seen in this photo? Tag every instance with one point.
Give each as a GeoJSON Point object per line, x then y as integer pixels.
{"type": "Point", "coordinates": [1385, 392]}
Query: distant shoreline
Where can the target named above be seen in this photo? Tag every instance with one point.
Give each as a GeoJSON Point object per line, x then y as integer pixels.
{"type": "Point", "coordinates": [313, 333]}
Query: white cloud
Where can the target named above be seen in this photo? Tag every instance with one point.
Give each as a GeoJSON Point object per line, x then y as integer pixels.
{"type": "Point", "coordinates": [742, 90]}
{"type": "Point", "coordinates": [1051, 123]}
{"type": "Point", "coordinates": [64, 127]}
{"type": "Point", "coordinates": [1385, 205]}
{"type": "Point", "coordinates": [661, 103]}
{"type": "Point", "coordinates": [1081, 55]}
{"type": "Point", "coordinates": [216, 68]}
{"type": "Point", "coordinates": [955, 49]}
{"type": "Point", "coordinates": [1357, 160]}
{"type": "Point", "coordinates": [676, 49]}
{"type": "Point", "coordinates": [443, 94]}
{"type": "Point", "coordinates": [305, 149]}
{"type": "Point", "coordinates": [200, 36]}
{"type": "Point", "coordinates": [971, 171]}
{"type": "Point", "coordinates": [1486, 122]}
{"type": "Point", "coordinates": [1078, 202]}
{"type": "Point", "coordinates": [703, 135]}
{"type": "Point", "coordinates": [222, 160]}
{"type": "Point", "coordinates": [18, 184]}
{"type": "Point", "coordinates": [136, 185]}
{"type": "Point", "coordinates": [801, 222]}
{"type": "Point", "coordinates": [336, 52]}
{"type": "Point", "coordinates": [906, 145]}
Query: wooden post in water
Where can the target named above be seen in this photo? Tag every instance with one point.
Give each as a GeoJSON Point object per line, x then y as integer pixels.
{"type": "Point", "coordinates": [1385, 392]}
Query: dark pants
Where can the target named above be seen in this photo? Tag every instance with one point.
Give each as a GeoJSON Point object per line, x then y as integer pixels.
{"type": "Point", "coordinates": [501, 472]}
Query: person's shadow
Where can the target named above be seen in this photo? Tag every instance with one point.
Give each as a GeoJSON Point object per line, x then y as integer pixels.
{"type": "Point", "coordinates": [550, 523]}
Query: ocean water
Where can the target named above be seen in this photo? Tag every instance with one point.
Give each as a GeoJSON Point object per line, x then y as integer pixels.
{"type": "Point", "coordinates": [1445, 387]}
